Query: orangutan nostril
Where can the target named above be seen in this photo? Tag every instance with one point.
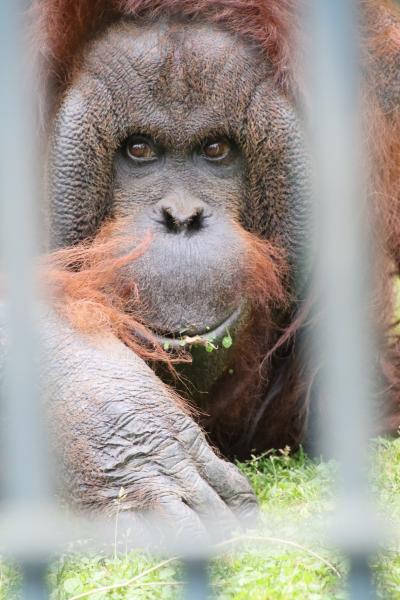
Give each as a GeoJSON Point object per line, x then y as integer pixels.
{"type": "Point", "coordinates": [176, 221]}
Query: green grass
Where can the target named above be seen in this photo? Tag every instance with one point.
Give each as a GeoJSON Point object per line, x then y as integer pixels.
{"type": "Point", "coordinates": [287, 565]}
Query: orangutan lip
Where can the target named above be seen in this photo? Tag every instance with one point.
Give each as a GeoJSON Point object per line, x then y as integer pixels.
{"type": "Point", "coordinates": [198, 338]}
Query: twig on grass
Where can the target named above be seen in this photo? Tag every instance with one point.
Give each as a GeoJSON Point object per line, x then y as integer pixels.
{"type": "Point", "coordinates": [116, 586]}
{"type": "Point", "coordinates": [268, 538]}
{"type": "Point", "coordinates": [254, 538]}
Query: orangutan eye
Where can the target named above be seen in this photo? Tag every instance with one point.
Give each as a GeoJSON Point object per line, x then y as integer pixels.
{"type": "Point", "coordinates": [140, 149]}
{"type": "Point", "coordinates": [216, 149]}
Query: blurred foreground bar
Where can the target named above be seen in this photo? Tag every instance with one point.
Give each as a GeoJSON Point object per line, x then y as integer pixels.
{"type": "Point", "coordinates": [24, 485]}
{"type": "Point", "coordinates": [344, 336]}
{"type": "Point", "coordinates": [196, 579]}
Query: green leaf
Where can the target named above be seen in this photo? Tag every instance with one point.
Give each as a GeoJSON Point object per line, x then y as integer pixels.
{"type": "Point", "coordinates": [166, 573]}
{"type": "Point", "coordinates": [72, 585]}
{"type": "Point", "coordinates": [227, 341]}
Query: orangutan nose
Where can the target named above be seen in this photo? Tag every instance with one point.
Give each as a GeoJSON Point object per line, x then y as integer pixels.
{"type": "Point", "coordinates": [178, 214]}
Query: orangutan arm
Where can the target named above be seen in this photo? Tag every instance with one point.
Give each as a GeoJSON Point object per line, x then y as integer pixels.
{"type": "Point", "coordinates": [117, 425]}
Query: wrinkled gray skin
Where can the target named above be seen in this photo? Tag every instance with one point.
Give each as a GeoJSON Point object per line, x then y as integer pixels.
{"type": "Point", "coordinates": [118, 426]}
{"type": "Point", "coordinates": [178, 85]}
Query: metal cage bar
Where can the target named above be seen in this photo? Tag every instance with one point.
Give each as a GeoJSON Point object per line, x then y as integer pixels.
{"type": "Point", "coordinates": [24, 467]}
{"type": "Point", "coordinates": [345, 333]}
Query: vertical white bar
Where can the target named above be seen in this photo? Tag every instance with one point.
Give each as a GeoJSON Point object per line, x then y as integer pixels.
{"type": "Point", "coordinates": [24, 466]}
{"type": "Point", "coordinates": [344, 336]}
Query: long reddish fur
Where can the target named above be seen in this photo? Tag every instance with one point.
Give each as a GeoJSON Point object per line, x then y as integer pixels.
{"type": "Point", "coordinates": [65, 26]}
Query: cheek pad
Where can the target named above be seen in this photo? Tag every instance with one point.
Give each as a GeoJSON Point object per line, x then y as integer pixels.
{"type": "Point", "coordinates": [279, 204]}
{"type": "Point", "coordinates": [82, 146]}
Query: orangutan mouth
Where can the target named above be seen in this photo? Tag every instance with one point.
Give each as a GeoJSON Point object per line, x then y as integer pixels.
{"type": "Point", "coordinates": [214, 336]}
